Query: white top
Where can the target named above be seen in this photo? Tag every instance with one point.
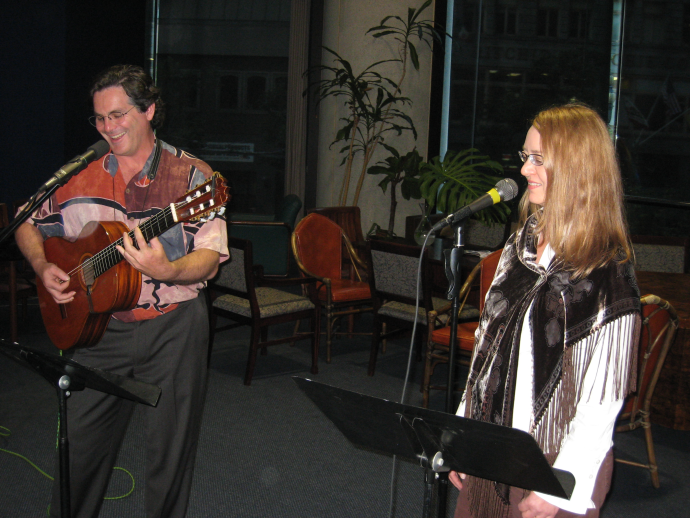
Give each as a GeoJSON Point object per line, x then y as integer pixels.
{"type": "Point", "coordinates": [591, 431]}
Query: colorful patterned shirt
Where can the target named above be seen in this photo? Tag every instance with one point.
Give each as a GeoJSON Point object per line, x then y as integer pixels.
{"type": "Point", "coordinates": [99, 193]}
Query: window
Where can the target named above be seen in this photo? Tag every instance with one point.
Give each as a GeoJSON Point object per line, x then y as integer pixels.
{"type": "Point", "coordinates": [519, 76]}
{"type": "Point", "coordinates": [547, 22]}
{"type": "Point", "coordinates": [579, 24]}
{"type": "Point", "coordinates": [506, 21]}
{"type": "Point", "coordinates": [654, 23]}
{"type": "Point", "coordinates": [229, 93]}
{"type": "Point", "coordinates": [256, 92]}
{"type": "Point", "coordinates": [185, 89]}
{"type": "Point", "coordinates": [223, 76]}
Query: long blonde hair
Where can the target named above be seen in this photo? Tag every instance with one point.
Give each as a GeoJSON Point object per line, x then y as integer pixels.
{"type": "Point", "coordinates": [583, 217]}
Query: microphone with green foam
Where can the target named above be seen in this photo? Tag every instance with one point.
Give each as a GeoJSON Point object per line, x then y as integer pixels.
{"type": "Point", "coordinates": [505, 190]}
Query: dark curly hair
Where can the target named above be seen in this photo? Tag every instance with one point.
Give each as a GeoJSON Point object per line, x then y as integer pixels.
{"type": "Point", "coordinates": [138, 86]}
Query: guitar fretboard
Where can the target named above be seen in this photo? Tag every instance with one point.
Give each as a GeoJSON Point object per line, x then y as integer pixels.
{"type": "Point", "coordinates": [108, 257]}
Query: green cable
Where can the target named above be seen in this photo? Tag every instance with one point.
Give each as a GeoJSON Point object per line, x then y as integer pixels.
{"type": "Point", "coordinates": [5, 432]}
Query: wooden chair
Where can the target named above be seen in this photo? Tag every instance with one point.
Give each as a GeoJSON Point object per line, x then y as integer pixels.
{"type": "Point", "coordinates": [393, 282]}
{"type": "Point", "coordinates": [250, 299]}
{"type": "Point", "coordinates": [317, 244]}
{"type": "Point", "coordinates": [16, 283]}
{"type": "Point", "coordinates": [438, 341]}
{"type": "Point", "coordinates": [659, 325]}
{"type": "Point", "coordinates": [349, 219]}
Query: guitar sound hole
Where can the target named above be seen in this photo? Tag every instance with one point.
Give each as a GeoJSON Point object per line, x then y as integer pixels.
{"type": "Point", "coordinates": [87, 274]}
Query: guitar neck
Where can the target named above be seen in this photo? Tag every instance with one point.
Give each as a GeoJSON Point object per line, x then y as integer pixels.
{"type": "Point", "coordinates": [152, 227]}
{"type": "Point", "coordinates": [207, 198]}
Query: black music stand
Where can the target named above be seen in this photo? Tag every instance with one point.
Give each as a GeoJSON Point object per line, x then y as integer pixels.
{"type": "Point", "coordinates": [440, 442]}
{"type": "Point", "coordinates": [67, 375]}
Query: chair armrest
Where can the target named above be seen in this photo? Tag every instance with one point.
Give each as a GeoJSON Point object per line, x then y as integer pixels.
{"type": "Point", "coordinates": [307, 283]}
{"type": "Point", "coordinates": [309, 274]}
{"type": "Point", "coordinates": [291, 281]}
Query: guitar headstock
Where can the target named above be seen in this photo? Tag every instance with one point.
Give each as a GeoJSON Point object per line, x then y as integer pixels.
{"type": "Point", "coordinates": [205, 200]}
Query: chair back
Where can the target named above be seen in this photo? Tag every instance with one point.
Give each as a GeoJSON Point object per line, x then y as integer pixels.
{"type": "Point", "coordinates": [487, 267]}
{"type": "Point", "coordinates": [288, 210]}
{"type": "Point", "coordinates": [270, 244]}
{"type": "Point", "coordinates": [393, 272]}
{"type": "Point", "coordinates": [479, 235]}
{"type": "Point", "coordinates": [317, 244]}
{"type": "Point", "coordinates": [347, 218]}
{"type": "Point", "coordinates": [659, 325]}
{"type": "Point", "coordinates": [661, 253]}
{"type": "Point", "coordinates": [235, 275]}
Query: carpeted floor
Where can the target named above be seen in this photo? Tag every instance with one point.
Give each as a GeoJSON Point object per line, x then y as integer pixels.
{"type": "Point", "coordinates": [266, 450]}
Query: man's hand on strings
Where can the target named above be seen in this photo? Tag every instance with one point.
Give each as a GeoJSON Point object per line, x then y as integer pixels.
{"type": "Point", "coordinates": [149, 259]}
{"type": "Point", "coordinates": [56, 282]}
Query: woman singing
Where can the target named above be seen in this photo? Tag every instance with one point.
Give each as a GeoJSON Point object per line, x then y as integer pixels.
{"type": "Point", "coordinates": [554, 353]}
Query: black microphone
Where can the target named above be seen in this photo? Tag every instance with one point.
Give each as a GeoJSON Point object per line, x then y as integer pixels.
{"type": "Point", "coordinates": [505, 190]}
{"type": "Point", "coordinates": [75, 165]}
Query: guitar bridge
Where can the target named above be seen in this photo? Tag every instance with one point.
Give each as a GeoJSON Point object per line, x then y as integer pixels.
{"type": "Point", "coordinates": [88, 296]}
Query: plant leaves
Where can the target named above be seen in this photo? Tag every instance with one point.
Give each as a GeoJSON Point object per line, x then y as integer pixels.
{"type": "Point", "coordinates": [413, 55]}
{"type": "Point", "coordinates": [458, 180]}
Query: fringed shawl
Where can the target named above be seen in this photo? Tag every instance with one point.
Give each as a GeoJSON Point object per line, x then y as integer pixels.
{"type": "Point", "coordinates": [566, 312]}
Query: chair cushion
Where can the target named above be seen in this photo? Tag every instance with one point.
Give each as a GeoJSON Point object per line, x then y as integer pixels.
{"type": "Point", "coordinates": [465, 335]}
{"type": "Point", "coordinates": [345, 290]}
{"type": "Point", "coordinates": [272, 303]}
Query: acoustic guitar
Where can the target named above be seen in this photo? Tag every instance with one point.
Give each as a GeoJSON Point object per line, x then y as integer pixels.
{"type": "Point", "coordinates": [103, 282]}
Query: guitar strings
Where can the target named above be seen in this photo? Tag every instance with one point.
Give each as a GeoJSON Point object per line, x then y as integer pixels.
{"type": "Point", "coordinates": [109, 256]}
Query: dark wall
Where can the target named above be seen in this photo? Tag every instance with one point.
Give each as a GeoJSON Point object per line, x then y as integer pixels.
{"type": "Point", "coordinates": [32, 64]}
{"type": "Point", "coordinates": [49, 52]}
{"type": "Point", "coordinates": [98, 35]}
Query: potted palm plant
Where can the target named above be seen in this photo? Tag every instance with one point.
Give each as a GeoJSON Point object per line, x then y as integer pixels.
{"type": "Point", "coordinates": [376, 107]}
{"type": "Point", "coordinates": [460, 178]}
{"type": "Point", "coordinates": [399, 170]}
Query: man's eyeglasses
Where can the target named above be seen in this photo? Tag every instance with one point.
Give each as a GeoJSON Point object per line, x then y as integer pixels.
{"type": "Point", "coordinates": [99, 120]}
{"type": "Point", "coordinates": [534, 158]}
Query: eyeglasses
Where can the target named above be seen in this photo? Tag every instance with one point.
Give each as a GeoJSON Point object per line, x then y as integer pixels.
{"type": "Point", "coordinates": [99, 120]}
{"type": "Point", "coordinates": [534, 158]}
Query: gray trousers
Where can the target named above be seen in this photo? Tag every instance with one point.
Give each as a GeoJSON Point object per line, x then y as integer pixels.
{"type": "Point", "coordinates": [169, 351]}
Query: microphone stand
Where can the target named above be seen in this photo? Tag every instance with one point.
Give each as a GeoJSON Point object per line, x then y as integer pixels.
{"type": "Point", "coordinates": [452, 264]}
{"type": "Point", "coordinates": [9, 230]}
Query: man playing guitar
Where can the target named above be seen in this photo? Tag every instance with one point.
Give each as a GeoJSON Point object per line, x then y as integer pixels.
{"type": "Point", "coordinates": [163, 338]}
